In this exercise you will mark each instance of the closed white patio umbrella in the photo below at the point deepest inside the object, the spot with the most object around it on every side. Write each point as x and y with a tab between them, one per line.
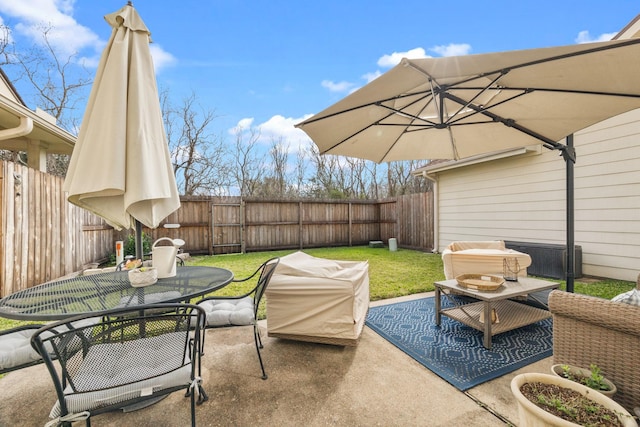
458	107
120	168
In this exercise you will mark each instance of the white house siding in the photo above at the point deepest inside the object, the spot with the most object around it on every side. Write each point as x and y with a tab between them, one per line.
523	198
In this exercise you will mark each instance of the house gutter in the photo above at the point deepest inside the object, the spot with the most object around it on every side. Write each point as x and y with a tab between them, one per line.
40	123
24	128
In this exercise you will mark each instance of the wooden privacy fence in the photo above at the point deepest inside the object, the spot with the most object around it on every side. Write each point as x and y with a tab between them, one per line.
233	225
43	237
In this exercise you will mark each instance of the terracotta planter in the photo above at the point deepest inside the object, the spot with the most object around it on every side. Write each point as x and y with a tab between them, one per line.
557	370
532	416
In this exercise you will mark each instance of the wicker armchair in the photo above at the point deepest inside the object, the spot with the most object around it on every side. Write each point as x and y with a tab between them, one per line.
590	330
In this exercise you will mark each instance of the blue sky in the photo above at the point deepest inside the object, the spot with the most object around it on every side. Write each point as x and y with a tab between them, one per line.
270	64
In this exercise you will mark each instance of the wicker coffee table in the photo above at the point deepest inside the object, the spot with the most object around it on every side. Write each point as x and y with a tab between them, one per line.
510	314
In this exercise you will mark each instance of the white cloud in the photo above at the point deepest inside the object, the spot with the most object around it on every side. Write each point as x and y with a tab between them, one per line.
242	125
161	58
452	49
585	37
388	61
385	61
277	128
393	59
337	86
369	77
65	34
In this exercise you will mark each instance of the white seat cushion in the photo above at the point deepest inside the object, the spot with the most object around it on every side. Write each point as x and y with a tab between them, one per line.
632	297
16	350
126	367
229	312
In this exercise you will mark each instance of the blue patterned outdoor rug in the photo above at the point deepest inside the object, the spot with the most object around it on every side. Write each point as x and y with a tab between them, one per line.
454	351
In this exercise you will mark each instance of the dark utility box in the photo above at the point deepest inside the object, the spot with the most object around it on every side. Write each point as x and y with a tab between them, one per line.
548	260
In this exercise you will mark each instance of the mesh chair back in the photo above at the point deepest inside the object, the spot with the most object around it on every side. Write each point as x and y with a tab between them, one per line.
267	269
224	311
129	356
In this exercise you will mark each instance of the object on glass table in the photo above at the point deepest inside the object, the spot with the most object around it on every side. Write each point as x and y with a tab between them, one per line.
131	264
144	276
510	269
480	282
164	257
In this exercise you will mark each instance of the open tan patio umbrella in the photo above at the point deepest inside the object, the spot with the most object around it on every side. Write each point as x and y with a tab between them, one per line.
120	168
457	107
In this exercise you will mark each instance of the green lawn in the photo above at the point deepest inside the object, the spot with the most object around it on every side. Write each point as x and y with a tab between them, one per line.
391	274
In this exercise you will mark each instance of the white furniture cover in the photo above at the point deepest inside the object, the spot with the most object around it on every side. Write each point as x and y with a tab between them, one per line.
482	257
318	300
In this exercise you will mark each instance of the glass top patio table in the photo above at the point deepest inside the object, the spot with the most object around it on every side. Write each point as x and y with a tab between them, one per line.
94	293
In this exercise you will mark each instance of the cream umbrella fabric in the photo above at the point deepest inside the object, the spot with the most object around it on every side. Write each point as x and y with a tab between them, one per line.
120	168
457	107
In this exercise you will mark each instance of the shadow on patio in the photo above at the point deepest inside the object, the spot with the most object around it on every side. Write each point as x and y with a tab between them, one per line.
309	384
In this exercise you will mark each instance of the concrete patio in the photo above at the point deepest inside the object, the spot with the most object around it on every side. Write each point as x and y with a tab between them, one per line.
372	384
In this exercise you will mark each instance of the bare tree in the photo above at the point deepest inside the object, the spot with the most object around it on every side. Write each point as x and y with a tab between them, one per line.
59	84
300	168
279	154
374	190
328	180
198	156
6	46
401	181
248	165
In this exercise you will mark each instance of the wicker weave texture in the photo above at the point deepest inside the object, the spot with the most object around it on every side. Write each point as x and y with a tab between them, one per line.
590	330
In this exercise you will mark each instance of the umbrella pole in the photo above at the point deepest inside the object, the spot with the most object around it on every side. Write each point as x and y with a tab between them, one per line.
139	251
569	156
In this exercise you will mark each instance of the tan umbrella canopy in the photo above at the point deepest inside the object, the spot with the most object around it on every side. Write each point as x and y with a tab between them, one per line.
457	107
120	168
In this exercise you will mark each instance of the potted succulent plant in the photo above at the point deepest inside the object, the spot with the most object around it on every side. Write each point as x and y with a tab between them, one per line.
591	377
549	400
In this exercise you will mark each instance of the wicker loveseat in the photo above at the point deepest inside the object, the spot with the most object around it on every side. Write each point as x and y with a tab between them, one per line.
590	330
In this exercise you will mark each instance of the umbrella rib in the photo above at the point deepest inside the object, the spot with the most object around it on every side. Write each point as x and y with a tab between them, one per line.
479	109
547	89
481	91
574	91
570	55
393	111
549	143
378	102
505	70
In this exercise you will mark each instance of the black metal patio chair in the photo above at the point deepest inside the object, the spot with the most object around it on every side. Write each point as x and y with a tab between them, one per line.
241	310
129	358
